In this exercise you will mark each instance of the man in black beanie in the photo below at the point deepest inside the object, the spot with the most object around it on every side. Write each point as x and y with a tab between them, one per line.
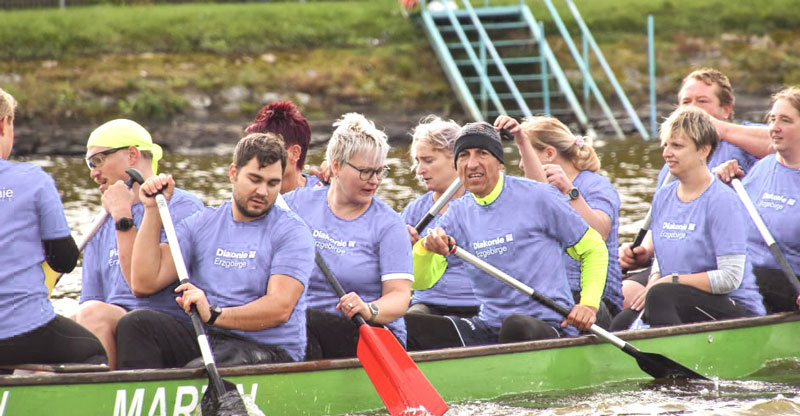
517	224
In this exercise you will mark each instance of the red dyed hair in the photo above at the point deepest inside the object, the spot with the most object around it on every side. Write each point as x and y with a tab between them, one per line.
284	118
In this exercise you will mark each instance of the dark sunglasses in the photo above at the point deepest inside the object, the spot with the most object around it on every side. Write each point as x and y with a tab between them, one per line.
96	160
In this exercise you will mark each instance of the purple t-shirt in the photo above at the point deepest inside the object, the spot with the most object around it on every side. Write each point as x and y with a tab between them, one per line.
600	194
723	153
233	262
30	212
524	232
361	252
689	236
774	190
312	181
102	277
454	288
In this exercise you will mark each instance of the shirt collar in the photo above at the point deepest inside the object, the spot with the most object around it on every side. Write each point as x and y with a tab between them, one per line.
488	199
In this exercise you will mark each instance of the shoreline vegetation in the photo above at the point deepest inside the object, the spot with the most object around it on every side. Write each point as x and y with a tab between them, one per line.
165	64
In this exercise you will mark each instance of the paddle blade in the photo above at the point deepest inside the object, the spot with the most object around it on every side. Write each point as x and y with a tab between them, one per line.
660	366
50	277
399	382
230	404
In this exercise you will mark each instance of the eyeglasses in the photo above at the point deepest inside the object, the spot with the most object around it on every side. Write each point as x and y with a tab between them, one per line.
366	174
96	160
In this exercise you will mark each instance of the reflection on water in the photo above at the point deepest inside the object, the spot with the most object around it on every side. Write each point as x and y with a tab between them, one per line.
632	166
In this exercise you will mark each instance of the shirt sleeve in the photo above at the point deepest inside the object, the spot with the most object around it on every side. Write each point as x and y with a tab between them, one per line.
52	220
394	251
293	254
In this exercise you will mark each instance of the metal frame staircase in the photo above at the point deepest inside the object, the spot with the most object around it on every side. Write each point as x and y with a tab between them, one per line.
498	61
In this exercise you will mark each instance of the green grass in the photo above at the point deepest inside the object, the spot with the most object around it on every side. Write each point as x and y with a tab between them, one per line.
142	61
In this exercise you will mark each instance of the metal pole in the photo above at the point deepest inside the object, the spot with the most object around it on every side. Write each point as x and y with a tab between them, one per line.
585	48
651	61
545	74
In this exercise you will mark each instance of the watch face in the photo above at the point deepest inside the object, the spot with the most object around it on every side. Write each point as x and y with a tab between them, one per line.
124	224
573	193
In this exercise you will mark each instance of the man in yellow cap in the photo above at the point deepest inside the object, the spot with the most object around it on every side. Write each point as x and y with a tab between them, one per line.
106	293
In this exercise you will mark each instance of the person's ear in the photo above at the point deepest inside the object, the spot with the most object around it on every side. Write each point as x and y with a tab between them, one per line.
232	173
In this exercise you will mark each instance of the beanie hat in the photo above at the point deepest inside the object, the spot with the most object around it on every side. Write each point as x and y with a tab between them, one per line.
122	133
480	135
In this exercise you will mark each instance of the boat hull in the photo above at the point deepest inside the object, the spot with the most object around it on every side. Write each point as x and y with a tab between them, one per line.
727	350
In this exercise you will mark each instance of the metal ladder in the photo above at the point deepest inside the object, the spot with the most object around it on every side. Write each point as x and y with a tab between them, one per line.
498	61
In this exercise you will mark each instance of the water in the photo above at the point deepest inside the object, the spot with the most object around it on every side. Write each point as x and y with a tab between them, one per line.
631	165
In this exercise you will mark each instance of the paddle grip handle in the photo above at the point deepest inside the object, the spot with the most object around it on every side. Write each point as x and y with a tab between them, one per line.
424	222
337	287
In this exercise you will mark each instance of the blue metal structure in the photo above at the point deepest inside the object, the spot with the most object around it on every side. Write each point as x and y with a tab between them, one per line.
499	62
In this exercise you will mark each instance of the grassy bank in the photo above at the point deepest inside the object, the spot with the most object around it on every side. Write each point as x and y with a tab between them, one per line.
200	60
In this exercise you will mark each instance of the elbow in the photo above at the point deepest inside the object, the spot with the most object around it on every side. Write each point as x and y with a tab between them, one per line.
139	287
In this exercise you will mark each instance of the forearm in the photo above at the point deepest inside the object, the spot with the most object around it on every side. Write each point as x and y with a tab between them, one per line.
752	139
125	241
259	314
596	218
394	303
146	255
591	251
533	166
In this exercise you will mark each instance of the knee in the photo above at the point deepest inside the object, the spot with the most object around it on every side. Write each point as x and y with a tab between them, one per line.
660	297
99	316
630	290
516	328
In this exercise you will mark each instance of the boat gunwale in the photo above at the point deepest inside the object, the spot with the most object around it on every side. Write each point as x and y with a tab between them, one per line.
419	356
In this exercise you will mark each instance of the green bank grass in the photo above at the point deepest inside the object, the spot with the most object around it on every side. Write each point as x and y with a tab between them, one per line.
147	61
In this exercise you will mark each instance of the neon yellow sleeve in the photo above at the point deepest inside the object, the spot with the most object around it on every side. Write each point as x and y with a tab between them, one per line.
428	267
591	251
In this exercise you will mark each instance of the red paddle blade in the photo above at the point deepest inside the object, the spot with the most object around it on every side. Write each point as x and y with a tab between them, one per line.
400	383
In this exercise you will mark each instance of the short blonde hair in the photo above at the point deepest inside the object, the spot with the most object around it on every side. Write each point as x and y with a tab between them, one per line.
543	131
693	123
7	105
355	134
436	132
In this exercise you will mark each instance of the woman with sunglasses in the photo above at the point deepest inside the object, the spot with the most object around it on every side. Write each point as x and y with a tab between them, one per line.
34	229
363	241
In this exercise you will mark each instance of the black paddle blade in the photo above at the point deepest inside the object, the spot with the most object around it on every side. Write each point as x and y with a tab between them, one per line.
230	404
660	366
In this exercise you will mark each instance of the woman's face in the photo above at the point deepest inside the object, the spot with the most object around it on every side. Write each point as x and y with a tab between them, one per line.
434	167
682	155
784	127
349	176
7	139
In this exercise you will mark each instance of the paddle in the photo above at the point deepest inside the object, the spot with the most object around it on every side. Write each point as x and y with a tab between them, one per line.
653	364
765	234
397	379
441	202
51	277
218	394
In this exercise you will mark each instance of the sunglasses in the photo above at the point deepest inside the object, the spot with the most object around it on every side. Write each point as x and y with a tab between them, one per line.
96	160
366	174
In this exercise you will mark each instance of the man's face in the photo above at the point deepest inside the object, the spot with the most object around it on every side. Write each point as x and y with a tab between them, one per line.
479	170
255	189
701	95
108	165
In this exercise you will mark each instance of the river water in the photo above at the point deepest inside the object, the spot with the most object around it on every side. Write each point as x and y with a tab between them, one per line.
631	164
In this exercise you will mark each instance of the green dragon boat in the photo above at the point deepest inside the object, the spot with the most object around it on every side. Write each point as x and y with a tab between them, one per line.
732	349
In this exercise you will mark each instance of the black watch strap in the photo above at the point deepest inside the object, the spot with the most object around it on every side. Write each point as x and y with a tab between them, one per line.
215	311
124	224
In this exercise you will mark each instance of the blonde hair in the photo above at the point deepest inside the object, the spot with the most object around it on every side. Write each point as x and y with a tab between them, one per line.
436	132
355	134
711	76
543	131
7	105
790	94
694	124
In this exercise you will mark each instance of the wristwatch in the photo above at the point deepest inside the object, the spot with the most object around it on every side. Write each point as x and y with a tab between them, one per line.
124	224
573	194
215	311
674	278
373	308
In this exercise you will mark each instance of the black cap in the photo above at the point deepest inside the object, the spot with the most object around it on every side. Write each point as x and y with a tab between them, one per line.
480	135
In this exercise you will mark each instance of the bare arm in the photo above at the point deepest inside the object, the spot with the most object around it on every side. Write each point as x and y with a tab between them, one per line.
152	267
752	139
273	309
532	164
596	218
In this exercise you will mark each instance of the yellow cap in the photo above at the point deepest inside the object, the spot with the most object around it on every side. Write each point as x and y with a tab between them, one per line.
121	133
